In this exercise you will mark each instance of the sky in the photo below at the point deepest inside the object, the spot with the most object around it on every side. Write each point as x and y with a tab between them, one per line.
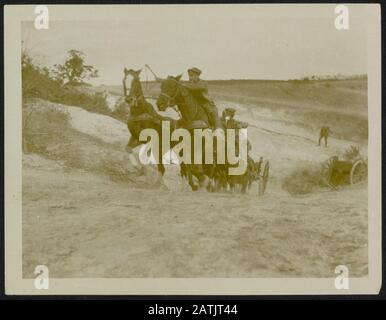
224	44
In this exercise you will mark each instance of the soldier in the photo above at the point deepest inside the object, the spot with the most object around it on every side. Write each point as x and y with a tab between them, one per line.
229	121
199	90
227	114
324	132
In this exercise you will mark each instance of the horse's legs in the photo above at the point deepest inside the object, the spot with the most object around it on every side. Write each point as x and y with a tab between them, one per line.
244	181
161	168
196	171
183	171
250	181
212	184
213	177
189	174
133	142
199	173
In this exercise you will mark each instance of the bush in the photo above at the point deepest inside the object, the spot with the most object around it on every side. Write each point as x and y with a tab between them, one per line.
42	128
37	82
303	181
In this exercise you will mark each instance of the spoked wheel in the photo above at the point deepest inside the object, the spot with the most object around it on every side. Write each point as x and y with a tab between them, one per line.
328	169
264	179
358	172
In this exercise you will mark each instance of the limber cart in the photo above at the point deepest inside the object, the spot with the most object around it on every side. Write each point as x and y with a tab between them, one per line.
343	172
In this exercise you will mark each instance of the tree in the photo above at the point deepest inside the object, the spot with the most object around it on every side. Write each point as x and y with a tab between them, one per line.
74	70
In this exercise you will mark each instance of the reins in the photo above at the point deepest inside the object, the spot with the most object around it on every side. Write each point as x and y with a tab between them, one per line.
173	98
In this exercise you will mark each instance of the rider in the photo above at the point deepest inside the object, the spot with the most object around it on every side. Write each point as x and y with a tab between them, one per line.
199	90
230	122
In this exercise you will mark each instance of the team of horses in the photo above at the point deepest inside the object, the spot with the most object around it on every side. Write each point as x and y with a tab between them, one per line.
173	94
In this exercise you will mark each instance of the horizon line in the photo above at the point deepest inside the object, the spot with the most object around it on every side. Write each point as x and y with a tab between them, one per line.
306	78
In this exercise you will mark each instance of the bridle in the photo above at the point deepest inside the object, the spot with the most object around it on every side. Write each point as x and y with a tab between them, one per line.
172	98
169	102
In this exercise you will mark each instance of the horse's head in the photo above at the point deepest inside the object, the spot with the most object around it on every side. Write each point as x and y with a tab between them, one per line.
135	87
169	92
134	73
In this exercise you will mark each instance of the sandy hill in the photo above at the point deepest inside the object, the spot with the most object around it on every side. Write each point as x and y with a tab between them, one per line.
87	212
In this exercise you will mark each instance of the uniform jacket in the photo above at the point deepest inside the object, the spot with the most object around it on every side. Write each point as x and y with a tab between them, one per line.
199	91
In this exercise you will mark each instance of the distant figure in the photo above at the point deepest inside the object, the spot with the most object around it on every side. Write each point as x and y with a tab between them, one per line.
324	132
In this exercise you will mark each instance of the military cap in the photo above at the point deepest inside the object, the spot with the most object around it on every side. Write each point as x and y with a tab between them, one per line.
230	111
194	70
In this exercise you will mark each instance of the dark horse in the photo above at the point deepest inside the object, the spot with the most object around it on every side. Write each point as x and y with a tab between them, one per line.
193	116
142	114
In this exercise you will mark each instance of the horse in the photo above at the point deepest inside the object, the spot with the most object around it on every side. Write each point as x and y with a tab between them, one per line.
193	116
142	114
244	182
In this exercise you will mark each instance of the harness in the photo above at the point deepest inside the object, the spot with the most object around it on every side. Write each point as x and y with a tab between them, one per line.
171	103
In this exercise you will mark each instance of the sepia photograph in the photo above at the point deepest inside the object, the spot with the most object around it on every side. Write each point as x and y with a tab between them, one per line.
208	148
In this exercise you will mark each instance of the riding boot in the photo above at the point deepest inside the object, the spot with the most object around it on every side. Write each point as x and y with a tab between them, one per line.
215	120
